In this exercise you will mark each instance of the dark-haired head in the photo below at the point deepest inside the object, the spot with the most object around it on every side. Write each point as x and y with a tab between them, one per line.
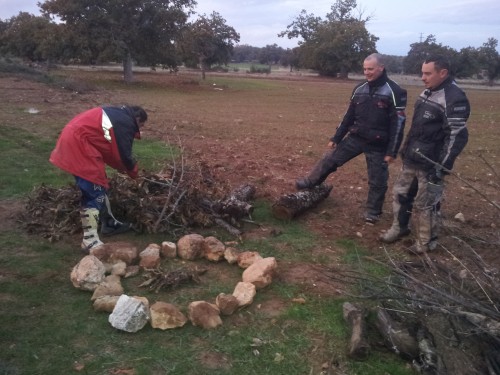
139	113
440	62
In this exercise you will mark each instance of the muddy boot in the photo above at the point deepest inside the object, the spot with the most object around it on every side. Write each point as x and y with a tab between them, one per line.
90	220
394	234
109	224
319	174
303	183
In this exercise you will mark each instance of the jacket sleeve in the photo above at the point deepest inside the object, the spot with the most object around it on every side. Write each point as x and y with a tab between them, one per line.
345	124
398	121
455	128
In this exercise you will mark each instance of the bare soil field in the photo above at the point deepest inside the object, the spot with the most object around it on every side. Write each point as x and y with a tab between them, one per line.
268	135
268	132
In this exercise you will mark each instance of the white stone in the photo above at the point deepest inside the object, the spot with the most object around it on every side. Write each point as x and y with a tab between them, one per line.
130	314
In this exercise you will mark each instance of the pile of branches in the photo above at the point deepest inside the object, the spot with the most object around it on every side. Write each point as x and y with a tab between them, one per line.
174	201
52	212
454	304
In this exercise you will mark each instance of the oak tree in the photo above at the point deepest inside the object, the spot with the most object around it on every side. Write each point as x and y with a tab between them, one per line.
140	30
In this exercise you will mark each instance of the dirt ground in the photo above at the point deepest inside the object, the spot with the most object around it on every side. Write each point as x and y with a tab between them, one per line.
265	141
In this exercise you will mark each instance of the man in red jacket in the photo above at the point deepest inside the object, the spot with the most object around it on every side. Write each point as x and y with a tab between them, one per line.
93	139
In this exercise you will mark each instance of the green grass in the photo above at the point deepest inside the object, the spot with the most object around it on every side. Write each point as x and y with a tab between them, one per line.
25	163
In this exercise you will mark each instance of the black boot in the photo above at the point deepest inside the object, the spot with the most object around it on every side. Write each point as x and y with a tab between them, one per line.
110	226
303	183
318	174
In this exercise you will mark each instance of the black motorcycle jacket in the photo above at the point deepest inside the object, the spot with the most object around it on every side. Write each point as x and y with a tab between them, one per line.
438	128
376	114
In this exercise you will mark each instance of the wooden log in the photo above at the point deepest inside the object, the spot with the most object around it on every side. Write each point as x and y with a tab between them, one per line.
354	316
291	205
244	193
397	337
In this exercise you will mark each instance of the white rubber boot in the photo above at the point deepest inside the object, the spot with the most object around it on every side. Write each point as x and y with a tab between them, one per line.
90	220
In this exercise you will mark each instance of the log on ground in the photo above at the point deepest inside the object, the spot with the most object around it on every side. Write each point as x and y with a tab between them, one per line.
291	205
354	316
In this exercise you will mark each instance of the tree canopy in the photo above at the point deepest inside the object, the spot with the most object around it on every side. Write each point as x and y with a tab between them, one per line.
208	41
336	45
156	32
123	29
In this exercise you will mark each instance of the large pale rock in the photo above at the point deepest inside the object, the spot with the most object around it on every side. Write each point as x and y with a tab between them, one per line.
169	249
227	303
112	252
204	314
111	286
166	316
244	293
119	268
260	273
190	246
150	256
88	273
231	255
105	303
130	314
213	249
247	258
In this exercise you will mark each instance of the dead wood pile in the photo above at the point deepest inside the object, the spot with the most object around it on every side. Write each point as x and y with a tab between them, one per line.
168	202
157	279
440	312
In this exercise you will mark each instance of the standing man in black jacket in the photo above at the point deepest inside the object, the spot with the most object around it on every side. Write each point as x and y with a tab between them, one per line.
437	135
373	125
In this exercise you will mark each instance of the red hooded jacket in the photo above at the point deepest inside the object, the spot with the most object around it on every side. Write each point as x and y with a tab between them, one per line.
95	138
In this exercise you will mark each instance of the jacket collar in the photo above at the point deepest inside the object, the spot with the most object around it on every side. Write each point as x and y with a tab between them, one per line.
446	82
379	81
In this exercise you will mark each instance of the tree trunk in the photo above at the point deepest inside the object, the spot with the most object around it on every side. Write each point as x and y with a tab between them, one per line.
128	74
202	67
291	205
354	316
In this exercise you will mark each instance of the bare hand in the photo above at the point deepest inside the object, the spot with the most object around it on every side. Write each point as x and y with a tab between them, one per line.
388	159
331	144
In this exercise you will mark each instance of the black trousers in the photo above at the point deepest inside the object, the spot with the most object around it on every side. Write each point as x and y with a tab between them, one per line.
378	171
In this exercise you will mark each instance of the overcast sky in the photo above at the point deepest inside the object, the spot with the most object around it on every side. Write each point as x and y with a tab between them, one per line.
398	23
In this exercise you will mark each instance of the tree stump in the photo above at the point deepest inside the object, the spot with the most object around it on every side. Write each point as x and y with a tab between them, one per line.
291	205
354	316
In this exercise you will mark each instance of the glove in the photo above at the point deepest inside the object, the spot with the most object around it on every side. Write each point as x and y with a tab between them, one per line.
133	173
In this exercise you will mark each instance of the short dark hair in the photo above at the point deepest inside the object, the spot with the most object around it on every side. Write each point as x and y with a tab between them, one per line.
440	62
139	113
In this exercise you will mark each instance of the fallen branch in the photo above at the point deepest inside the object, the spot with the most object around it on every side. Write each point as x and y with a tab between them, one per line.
358	345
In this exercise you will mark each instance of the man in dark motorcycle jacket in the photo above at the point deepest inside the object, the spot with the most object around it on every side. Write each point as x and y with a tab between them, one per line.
373	125
438	134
